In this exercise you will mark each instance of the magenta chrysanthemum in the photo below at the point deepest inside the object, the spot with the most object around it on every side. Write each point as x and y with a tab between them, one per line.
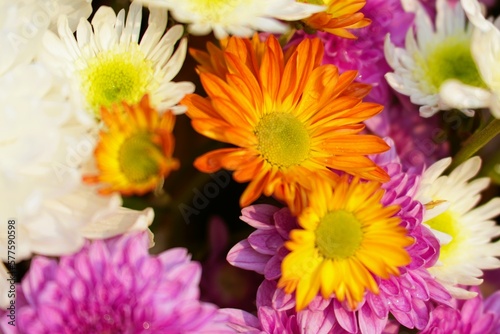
365	54
474	315
318	317
114	286
419	141
409	297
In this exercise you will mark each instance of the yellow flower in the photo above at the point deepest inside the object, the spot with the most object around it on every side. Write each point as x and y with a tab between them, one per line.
347	239
135	149
291	118
339	16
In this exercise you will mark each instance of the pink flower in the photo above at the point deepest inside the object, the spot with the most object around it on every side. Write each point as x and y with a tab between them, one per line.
114	286
419	141
318	318
473	316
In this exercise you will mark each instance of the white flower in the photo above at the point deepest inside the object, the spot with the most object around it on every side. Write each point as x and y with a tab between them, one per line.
5	287
436	55
45	145
23	23
485	48
464	231
108	65
236	17
46	149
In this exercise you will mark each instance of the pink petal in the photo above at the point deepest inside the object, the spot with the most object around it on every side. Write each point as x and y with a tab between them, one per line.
242	255
265	241
346	319
272	270
285	222
241	321
369	322
378	303
259	216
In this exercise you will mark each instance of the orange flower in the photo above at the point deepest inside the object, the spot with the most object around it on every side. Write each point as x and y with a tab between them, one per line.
291	119
134	153
339	16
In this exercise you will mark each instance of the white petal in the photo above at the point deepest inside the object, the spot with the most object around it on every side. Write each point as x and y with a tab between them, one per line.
461	96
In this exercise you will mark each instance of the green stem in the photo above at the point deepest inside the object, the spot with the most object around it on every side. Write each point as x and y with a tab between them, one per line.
286	37
476	142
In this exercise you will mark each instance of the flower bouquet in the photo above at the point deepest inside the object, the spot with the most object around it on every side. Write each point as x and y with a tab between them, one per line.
249	166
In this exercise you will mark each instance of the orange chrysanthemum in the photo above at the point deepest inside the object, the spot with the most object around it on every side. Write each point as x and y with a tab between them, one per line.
339	16
291	119
135	149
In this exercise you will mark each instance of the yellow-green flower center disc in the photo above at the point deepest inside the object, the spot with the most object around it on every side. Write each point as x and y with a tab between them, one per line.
339	235
451	59
140	158
283	140
114	76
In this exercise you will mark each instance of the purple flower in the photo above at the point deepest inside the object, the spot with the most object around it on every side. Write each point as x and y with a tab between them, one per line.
419	141
409	297
366	54
473	316
319	317
114	286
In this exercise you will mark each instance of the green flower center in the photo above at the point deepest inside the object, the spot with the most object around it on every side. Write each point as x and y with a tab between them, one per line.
283	140
339	235
151	156
450	60
446	223
114	76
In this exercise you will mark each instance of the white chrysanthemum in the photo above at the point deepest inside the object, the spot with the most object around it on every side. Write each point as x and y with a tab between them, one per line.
45	149
108	64
23	23
433	57
485	48
236	17
465	232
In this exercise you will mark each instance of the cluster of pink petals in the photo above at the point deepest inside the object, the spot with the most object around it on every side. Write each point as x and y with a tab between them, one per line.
114	286
419	141
474	316
410	297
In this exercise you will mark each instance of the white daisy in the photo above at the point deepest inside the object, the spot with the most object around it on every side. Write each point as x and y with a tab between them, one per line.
46	149
434	56
23	23
236	17
464	231
108	64
485	48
